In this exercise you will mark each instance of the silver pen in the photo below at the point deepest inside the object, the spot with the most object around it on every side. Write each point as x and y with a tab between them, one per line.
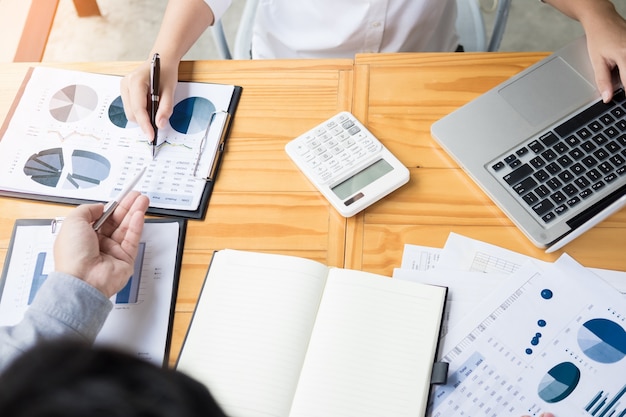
110	207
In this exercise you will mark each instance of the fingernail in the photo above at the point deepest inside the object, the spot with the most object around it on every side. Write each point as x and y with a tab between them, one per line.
606	96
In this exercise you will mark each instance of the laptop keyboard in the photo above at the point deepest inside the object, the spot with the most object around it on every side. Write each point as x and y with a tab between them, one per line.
568	164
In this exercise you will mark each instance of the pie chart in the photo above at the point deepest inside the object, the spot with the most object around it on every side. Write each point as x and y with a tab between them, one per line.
117	115
73	103
602	340
559	382
88	169
45	167
192	115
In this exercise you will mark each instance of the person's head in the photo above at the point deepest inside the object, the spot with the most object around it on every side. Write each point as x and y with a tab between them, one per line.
73	379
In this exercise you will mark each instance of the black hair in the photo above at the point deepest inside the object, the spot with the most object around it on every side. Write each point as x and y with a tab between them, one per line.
72	379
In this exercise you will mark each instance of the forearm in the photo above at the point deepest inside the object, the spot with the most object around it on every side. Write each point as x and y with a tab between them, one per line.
183	23
65	307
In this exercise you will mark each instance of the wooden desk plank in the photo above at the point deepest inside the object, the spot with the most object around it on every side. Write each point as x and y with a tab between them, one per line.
399	96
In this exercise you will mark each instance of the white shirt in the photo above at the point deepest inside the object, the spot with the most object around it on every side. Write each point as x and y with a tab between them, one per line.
342	28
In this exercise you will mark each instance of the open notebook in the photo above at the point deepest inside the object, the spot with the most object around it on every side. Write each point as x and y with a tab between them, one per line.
276	335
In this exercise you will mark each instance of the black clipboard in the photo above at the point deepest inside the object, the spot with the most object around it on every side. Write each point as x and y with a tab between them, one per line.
134	313
197	214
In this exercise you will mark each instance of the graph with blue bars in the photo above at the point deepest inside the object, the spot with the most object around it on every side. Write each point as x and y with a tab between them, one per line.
128	295
605	404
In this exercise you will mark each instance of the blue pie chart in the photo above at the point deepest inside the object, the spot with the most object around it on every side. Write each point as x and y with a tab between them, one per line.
559	382
192	115
117	115
602	340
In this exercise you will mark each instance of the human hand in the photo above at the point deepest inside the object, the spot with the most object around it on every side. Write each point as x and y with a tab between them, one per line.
103	259
135	89
606	43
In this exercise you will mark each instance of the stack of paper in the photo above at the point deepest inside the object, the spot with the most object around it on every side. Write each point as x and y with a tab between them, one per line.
525	336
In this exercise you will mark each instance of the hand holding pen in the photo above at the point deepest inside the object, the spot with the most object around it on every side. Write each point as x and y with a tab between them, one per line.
104	260
110	207
155	73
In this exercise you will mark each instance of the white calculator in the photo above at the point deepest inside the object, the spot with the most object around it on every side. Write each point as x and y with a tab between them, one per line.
350	166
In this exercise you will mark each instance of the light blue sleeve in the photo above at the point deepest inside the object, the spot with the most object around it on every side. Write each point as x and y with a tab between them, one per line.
64	307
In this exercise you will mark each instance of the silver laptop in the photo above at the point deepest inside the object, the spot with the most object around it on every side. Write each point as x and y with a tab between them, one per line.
544	147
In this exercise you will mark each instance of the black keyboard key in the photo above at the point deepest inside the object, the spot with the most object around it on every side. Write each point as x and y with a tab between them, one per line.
572	140
498	166
570	190
598	185
583	133
521	151
548	155
548	139
613	146
510	158
554	184
605	167
560	148
553	168
618	112
621	125
601	154
593	175
589	161
573	201
558	197
541	175
542	191
607	119
543	207
583	118
621	170
566	176
537	162
577	169
622	140
535	146
548	217
610	178
565	161
582	182
617	160
611	132
560	209
518	174
585	193
525	186
595	126
588	146
576	153
515	163
530	198
600	139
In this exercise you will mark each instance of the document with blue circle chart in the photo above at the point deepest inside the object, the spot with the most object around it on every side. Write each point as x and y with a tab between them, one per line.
68	138
551	338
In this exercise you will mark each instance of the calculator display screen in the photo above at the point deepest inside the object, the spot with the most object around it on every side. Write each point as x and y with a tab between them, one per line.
365	177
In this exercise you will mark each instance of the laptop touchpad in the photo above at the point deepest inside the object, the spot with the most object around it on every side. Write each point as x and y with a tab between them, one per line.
548	92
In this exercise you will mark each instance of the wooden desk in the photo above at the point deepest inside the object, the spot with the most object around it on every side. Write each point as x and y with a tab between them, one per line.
262	202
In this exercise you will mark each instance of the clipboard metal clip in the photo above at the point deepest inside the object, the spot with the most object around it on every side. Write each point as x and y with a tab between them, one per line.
55	225
219	149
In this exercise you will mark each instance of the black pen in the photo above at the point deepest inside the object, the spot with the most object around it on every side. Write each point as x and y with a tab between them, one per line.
155	69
